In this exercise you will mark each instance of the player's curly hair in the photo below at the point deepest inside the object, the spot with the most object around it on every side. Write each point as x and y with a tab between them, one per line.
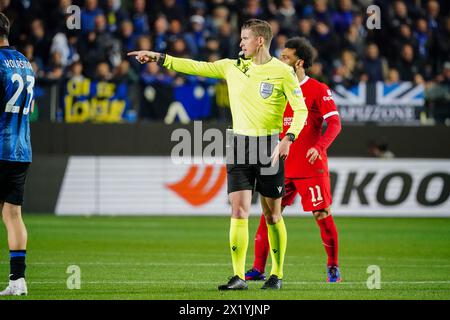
5	26
303	50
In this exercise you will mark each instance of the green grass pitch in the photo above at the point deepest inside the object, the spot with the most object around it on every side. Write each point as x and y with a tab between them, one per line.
171	258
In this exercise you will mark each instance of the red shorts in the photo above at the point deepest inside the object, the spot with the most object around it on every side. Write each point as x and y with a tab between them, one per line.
315	192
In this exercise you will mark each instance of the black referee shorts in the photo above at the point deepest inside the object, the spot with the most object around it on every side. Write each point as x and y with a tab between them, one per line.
12	181
249	166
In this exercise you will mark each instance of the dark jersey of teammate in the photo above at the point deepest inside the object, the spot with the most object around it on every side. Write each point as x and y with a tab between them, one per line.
17	87
319	100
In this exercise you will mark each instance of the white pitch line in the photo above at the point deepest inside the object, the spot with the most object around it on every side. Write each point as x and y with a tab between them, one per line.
214	283
211	264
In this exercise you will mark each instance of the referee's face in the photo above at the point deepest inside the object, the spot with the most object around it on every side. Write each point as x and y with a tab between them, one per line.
249	43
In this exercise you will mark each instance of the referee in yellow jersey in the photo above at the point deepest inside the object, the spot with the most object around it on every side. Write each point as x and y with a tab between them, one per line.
259	87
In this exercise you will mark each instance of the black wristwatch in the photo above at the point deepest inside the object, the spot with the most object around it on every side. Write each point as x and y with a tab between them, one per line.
290	136
161	59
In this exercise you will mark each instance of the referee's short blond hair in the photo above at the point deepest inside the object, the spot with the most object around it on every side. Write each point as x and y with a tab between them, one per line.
260	28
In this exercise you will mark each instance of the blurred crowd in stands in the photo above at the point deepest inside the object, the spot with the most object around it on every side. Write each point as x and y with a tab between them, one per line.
413	43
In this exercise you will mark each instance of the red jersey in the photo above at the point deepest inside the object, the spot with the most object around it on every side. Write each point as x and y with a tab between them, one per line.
320	103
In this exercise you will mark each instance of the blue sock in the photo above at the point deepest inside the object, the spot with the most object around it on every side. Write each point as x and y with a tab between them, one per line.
17	264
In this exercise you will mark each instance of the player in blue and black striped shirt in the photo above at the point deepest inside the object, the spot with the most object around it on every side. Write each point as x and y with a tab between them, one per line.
16	102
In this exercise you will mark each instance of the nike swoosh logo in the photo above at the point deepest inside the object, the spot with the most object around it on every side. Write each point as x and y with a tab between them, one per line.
316	204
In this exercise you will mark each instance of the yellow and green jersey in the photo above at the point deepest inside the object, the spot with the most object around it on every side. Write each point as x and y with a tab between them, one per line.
258	93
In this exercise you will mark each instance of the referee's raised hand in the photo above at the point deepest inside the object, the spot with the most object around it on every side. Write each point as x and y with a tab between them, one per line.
144	56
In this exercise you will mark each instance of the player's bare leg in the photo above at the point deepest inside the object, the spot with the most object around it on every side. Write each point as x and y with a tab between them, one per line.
17	232
240	211
277	240
329	236
17	242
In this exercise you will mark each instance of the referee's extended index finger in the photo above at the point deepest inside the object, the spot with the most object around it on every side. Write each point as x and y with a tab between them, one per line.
133	53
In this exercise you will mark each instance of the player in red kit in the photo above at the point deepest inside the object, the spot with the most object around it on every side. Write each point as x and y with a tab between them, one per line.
306	168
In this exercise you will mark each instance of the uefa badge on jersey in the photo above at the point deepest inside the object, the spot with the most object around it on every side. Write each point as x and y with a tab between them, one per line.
266	89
